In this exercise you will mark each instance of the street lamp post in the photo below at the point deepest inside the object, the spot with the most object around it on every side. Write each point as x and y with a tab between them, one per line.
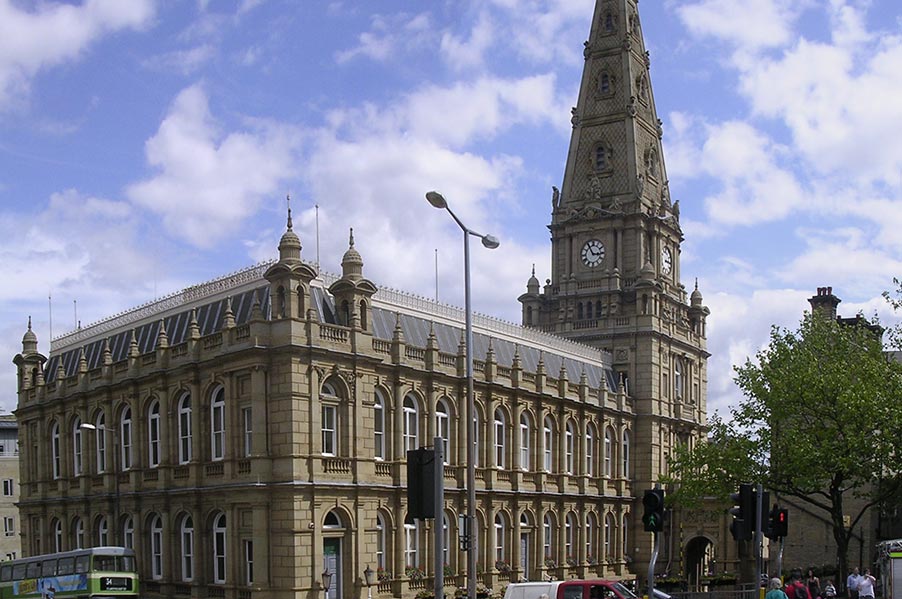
103	430
369	577
437	200
326	577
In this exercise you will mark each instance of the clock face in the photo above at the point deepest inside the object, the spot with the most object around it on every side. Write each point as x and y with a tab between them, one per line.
666	261
592	253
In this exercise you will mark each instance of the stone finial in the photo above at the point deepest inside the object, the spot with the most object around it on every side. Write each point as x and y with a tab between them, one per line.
162	337
256	308
398	334
60	371
193	327
107	353
133	350
29	341
82	361
432	340
516	362
228	320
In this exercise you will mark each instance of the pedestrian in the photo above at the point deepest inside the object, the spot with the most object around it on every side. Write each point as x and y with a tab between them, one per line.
866	585
829	590
814	584
852	583
775	590
795	588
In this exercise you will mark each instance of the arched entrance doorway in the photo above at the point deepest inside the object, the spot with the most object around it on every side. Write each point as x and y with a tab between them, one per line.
334	530
699	560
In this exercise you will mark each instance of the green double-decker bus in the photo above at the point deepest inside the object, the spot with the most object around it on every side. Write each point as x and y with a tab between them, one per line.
98	573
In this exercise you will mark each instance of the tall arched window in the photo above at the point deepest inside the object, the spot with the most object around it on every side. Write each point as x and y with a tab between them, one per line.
185	435
330	422
77	469
608	452
57	527
186	536
78	533
411	425
219	549
443	428
624	539
103	532
153	435
380	542
156	547
570	538
125	438
363	316
569	447
498	438
604	83
547	443
590	449
500	535
525	434
217	424
128	532
547	537
411	545
678	378
100	439
55	448
591	538
625	454
379	425
608	535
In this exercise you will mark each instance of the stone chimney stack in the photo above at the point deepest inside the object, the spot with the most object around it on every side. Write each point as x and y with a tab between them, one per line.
824	303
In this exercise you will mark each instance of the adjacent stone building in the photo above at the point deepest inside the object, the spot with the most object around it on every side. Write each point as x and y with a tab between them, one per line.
246	434
10	547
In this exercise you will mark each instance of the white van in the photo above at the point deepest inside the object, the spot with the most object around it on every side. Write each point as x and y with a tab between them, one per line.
569	589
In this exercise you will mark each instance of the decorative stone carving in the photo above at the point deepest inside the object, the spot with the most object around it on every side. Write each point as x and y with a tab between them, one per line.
574	118
555	197
587	50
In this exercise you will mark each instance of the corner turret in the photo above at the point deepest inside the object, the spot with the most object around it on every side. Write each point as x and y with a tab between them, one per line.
352	292
290	277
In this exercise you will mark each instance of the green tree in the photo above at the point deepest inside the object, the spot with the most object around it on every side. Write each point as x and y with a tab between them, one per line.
821	421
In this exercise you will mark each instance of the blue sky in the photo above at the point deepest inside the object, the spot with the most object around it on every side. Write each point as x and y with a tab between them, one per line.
146	146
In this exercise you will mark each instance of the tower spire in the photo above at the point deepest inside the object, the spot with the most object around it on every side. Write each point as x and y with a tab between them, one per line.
288	202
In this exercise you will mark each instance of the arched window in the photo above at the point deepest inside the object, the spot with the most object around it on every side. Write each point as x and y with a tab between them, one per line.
589	310
302	310
219	549
529	315
381	542
547	537
569	447
590	449
57	527
608	22
363	315
411	545
601	158
156	547
125	437
591	538
379	425
411	425
477	435
186	536
608	535
345	314
100	425
185	435
217	425
330	422
153	435
443	428
547	441
498	438
280	304
625	454
570	538
525	434
128	532
500	535
579	311
608	452
76	447
604	83
55	448
624	538
103	532
78	533
678	378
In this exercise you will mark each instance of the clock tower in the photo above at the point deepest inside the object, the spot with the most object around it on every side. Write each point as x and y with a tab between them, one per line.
615	260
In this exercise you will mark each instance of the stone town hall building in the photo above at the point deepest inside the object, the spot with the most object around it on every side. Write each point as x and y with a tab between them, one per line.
244	434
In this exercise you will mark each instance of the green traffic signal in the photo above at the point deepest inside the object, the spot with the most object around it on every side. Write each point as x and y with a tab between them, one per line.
653	518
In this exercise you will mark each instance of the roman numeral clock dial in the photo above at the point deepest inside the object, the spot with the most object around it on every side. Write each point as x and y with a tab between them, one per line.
592	253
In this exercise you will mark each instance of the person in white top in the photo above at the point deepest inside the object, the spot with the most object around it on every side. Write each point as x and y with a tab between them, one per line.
866	585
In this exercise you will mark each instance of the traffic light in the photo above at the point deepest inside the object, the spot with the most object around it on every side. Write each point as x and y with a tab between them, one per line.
779	524
653	502
743	513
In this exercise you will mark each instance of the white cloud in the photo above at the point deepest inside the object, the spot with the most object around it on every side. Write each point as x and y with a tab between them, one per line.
54	33
209	182
748	25
389	35
462	54
185	62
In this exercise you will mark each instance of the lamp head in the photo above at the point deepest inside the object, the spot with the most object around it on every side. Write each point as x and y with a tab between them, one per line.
436	199
490	241
88	426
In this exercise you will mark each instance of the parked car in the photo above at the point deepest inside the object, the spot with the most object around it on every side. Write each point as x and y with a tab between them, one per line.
569	589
